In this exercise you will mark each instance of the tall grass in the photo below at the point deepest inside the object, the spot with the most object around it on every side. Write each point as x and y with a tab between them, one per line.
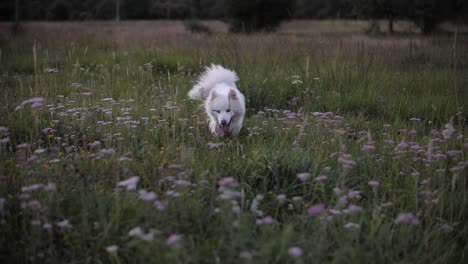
353	150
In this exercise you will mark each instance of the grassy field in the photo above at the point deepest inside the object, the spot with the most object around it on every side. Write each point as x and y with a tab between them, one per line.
354	149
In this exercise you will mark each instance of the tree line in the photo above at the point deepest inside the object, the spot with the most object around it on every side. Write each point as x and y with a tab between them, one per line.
242	15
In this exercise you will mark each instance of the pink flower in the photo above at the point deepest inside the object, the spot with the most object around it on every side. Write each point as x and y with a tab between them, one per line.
295	252
316	209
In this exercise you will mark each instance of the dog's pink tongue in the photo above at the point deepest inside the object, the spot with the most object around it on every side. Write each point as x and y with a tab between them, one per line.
220	130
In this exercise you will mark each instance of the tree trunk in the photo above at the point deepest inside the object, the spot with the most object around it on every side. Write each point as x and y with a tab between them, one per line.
390	24
16	25
117	10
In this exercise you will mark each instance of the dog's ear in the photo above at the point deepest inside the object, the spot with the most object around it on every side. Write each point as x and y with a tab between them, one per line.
213	94
232	95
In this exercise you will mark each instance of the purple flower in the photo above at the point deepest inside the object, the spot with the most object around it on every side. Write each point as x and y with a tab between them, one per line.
35	102
174	240
295	252
316	209
367	148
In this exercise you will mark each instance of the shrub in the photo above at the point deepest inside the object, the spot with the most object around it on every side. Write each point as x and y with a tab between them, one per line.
259	15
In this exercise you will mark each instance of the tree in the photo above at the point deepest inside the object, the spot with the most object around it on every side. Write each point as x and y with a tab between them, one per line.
257	15
375	9
427	14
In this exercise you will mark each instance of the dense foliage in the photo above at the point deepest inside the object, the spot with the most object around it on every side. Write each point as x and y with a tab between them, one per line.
243	15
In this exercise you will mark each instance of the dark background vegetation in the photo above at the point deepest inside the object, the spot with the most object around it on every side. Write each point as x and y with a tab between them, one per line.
242	15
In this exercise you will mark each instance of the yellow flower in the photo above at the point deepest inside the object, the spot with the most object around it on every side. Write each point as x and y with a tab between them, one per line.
254	152
154	117
50	136
60	154
52	124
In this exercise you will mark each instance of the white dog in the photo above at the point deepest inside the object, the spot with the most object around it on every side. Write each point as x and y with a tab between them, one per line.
224	103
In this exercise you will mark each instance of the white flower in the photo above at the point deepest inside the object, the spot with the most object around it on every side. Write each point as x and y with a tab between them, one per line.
64	224
130	183
304	176
112	249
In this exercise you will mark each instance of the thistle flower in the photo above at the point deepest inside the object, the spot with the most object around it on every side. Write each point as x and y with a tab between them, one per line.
316	209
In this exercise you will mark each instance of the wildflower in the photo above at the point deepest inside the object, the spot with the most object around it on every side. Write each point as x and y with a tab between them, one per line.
321	178
130	183
402	145
174	240
373	183
136	231
295	252
31	188
351	225
267	220
112	249
448	131
407	218
316	209
246	255
227	181
352	208
34	102
160	205
367	147
281	198
64	224
146	196
304	176
346	161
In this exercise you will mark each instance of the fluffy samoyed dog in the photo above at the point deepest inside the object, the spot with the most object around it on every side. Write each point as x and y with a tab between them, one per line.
224	103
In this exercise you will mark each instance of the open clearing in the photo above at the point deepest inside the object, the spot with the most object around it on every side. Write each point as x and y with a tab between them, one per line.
354	148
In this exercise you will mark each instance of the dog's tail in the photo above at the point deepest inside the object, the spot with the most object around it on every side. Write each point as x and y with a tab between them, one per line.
212	75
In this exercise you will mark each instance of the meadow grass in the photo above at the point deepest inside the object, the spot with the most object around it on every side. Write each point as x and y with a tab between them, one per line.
353	149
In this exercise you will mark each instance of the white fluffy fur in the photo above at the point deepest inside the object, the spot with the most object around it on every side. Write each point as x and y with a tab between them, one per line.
224	103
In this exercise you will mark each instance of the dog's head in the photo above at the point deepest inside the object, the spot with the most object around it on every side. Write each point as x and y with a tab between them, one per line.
223	108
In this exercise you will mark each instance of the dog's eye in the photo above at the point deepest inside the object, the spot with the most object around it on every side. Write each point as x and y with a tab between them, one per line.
228	110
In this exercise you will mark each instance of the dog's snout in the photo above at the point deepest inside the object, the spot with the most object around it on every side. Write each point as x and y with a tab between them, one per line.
223	122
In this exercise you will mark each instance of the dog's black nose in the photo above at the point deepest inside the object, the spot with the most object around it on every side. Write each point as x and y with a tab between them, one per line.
223	122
